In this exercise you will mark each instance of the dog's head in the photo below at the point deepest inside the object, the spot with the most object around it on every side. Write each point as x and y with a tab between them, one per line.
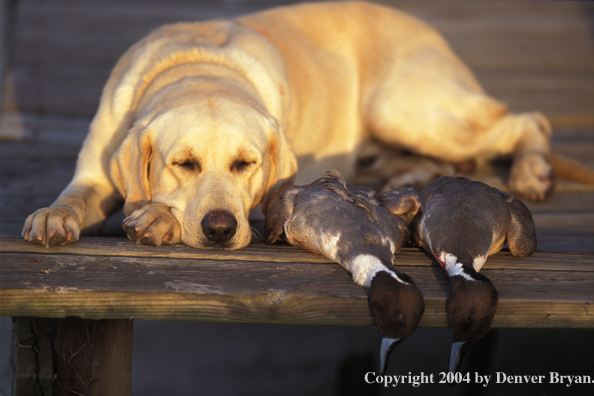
210	160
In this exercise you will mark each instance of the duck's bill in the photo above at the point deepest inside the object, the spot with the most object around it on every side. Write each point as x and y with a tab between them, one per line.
457	353
386	346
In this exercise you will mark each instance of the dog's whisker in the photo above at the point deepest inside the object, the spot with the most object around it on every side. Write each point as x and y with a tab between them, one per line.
256	237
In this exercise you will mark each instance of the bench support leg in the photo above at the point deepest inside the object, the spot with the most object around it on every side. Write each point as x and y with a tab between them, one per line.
73	356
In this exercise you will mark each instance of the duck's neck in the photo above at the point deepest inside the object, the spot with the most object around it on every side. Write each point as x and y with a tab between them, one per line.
455	267
364	267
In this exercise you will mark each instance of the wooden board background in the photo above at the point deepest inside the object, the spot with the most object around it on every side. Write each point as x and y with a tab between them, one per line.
533	55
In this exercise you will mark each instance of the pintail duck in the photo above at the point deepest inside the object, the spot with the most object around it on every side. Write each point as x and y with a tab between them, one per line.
461	222
361	232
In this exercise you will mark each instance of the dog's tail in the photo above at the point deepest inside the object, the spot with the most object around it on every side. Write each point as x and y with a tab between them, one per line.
567	168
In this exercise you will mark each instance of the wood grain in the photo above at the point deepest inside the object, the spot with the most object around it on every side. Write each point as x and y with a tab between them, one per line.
532	55
34	370
92	357
282	253
178	283
73	356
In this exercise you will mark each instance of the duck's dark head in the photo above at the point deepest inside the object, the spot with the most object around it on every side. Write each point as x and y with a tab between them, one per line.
397	306
470	307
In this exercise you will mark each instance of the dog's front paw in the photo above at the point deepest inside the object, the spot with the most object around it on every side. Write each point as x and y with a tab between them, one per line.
52	226
152	225
531	177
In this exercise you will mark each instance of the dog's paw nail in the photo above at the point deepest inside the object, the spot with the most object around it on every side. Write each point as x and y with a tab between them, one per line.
147	234
39	237
166	238
51	234
137	228
69	236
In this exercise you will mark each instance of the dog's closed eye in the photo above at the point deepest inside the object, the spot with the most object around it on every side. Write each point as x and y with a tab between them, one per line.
187	165
241	165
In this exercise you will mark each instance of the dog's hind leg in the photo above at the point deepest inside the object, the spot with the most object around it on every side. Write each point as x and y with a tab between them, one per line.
527	137
430	104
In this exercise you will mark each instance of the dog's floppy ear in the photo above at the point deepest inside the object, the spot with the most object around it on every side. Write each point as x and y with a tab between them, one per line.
130	168
283	163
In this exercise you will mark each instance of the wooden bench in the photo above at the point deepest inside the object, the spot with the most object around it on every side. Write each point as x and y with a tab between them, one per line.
111	278
108	282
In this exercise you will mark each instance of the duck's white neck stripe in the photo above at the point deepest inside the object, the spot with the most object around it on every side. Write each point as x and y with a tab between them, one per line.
479	261
365	266
453	267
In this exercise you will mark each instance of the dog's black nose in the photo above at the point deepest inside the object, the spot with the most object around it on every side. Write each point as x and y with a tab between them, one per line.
219	226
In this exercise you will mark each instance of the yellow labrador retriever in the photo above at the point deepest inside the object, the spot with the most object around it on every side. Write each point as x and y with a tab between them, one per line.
199	122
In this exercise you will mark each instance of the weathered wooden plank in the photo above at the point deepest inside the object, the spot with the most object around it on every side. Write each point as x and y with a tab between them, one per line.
567	202
535	56
281	253
64	273
276	308
60	285
567	240
580	150
564	220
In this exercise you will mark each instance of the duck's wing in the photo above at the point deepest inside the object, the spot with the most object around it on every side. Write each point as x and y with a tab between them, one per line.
521	234
403	202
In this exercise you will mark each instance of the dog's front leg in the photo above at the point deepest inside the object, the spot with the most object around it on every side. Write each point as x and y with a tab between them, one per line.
153	225
80	208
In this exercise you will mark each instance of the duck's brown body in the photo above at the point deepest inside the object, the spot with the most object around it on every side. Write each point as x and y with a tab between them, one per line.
461	222
471	220
360	232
